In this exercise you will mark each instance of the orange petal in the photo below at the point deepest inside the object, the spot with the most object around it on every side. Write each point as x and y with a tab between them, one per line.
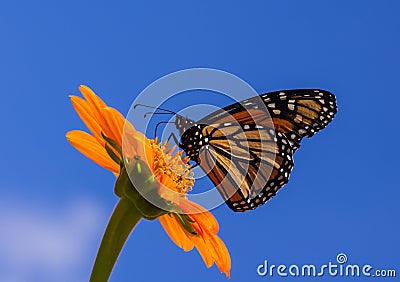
128	141
210	246
90	147
200	215
111	121
204	249
85	113
149	152
175	232
222	257
94	102
96	105
137	144
114	124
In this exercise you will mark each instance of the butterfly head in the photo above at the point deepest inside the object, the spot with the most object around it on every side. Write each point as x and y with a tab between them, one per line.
183	123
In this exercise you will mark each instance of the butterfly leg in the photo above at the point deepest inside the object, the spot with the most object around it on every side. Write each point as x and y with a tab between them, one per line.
193	166
161	122
172	135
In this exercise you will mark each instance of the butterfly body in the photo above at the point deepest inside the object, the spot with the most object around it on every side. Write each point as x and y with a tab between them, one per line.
247	148
193	140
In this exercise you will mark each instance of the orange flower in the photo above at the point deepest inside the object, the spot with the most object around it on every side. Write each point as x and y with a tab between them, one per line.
193	226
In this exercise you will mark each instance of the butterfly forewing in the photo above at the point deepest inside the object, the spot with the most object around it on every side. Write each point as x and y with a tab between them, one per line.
300	113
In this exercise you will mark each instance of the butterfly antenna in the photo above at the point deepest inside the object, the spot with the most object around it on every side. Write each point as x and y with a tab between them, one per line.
155	113
151	107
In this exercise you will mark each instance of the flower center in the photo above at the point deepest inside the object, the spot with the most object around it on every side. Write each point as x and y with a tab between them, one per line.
173	166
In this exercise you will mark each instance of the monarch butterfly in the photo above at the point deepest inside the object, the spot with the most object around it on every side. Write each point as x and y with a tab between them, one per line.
217	142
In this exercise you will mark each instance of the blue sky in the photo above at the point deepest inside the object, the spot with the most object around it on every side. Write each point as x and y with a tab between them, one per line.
343	193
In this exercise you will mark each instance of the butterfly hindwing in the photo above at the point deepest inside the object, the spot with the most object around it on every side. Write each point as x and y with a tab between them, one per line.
246	169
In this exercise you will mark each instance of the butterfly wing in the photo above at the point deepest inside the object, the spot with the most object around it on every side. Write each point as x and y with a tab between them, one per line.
300	113
246	169
296	113
251	153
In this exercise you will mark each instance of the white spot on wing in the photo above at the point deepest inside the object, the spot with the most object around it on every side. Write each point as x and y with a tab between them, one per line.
302	131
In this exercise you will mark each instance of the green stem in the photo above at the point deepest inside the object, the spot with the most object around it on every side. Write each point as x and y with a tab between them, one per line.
123	219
